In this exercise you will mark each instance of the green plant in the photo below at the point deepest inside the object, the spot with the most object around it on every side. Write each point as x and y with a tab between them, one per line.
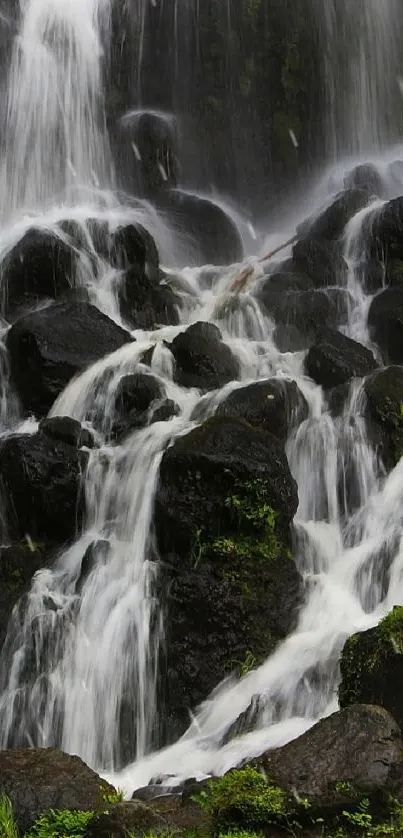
61	824
8	826
246	800
113	797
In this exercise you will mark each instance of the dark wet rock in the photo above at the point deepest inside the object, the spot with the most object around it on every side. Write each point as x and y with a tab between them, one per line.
68	430
41	485
98	552
275	405
321	260
134	398
229	586
372	667
393	271
331	222
37	780
155	792
385	229
371	275
19	562
202	359
212	237
365	177
291	300
335	359
167	410
202	470
49	347
289	339
129	818
337	399
146	300
146	152
39	267
357	750
385	321
384	392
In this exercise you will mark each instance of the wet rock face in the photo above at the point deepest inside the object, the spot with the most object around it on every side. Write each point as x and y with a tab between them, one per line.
140	400
372	666
274	405
384	392
40	266
331	222
321	260
145	149
385	321
48	347
365	177
356	749
202	359
18	563
200	473
37	780
212	237
41	487
335	359
224	505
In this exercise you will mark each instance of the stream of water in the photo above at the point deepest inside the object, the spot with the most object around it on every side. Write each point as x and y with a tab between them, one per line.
83	643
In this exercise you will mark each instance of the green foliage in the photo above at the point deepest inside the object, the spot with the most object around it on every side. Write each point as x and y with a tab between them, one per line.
246	800
61	824
8	826
113	797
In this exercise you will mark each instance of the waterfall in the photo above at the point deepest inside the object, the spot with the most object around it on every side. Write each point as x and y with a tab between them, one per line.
82	657
55	132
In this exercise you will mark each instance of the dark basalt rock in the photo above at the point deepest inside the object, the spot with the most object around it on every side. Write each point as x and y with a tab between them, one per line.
18	563
335	359
357	750
305	310
385	229
331	222
202	469
37	780
202	359
211	236
41	480
139	401
153	166
321	260
40	266
384	391
275	405
365	177
385	320
68	430
49	347
372	666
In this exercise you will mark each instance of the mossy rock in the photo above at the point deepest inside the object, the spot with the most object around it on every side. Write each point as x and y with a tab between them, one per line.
372	666
384	391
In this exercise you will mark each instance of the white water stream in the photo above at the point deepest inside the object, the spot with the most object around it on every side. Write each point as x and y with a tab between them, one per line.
87	646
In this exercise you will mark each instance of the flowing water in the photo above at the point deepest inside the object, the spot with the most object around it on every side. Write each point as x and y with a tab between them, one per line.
81	657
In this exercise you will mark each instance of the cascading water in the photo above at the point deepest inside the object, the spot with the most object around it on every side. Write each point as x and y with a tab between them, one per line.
81	657
55	131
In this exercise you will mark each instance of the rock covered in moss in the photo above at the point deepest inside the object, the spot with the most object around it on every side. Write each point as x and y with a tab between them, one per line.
372	666
222	479
129	818
275	405
384	392
334	359
37	780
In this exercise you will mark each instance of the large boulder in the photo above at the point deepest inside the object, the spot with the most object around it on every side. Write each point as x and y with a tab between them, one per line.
167	816
372	666
334	359
41	486
385	228
145	150
202	359
331	222
291	300
275	405
19	562
365	177
49	347
139	400
230	589
40	266
384	392
385	321
211	476
321	260
211	235
37	780
356	751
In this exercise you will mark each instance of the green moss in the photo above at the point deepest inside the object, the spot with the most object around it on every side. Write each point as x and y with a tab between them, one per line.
246	800
364	652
